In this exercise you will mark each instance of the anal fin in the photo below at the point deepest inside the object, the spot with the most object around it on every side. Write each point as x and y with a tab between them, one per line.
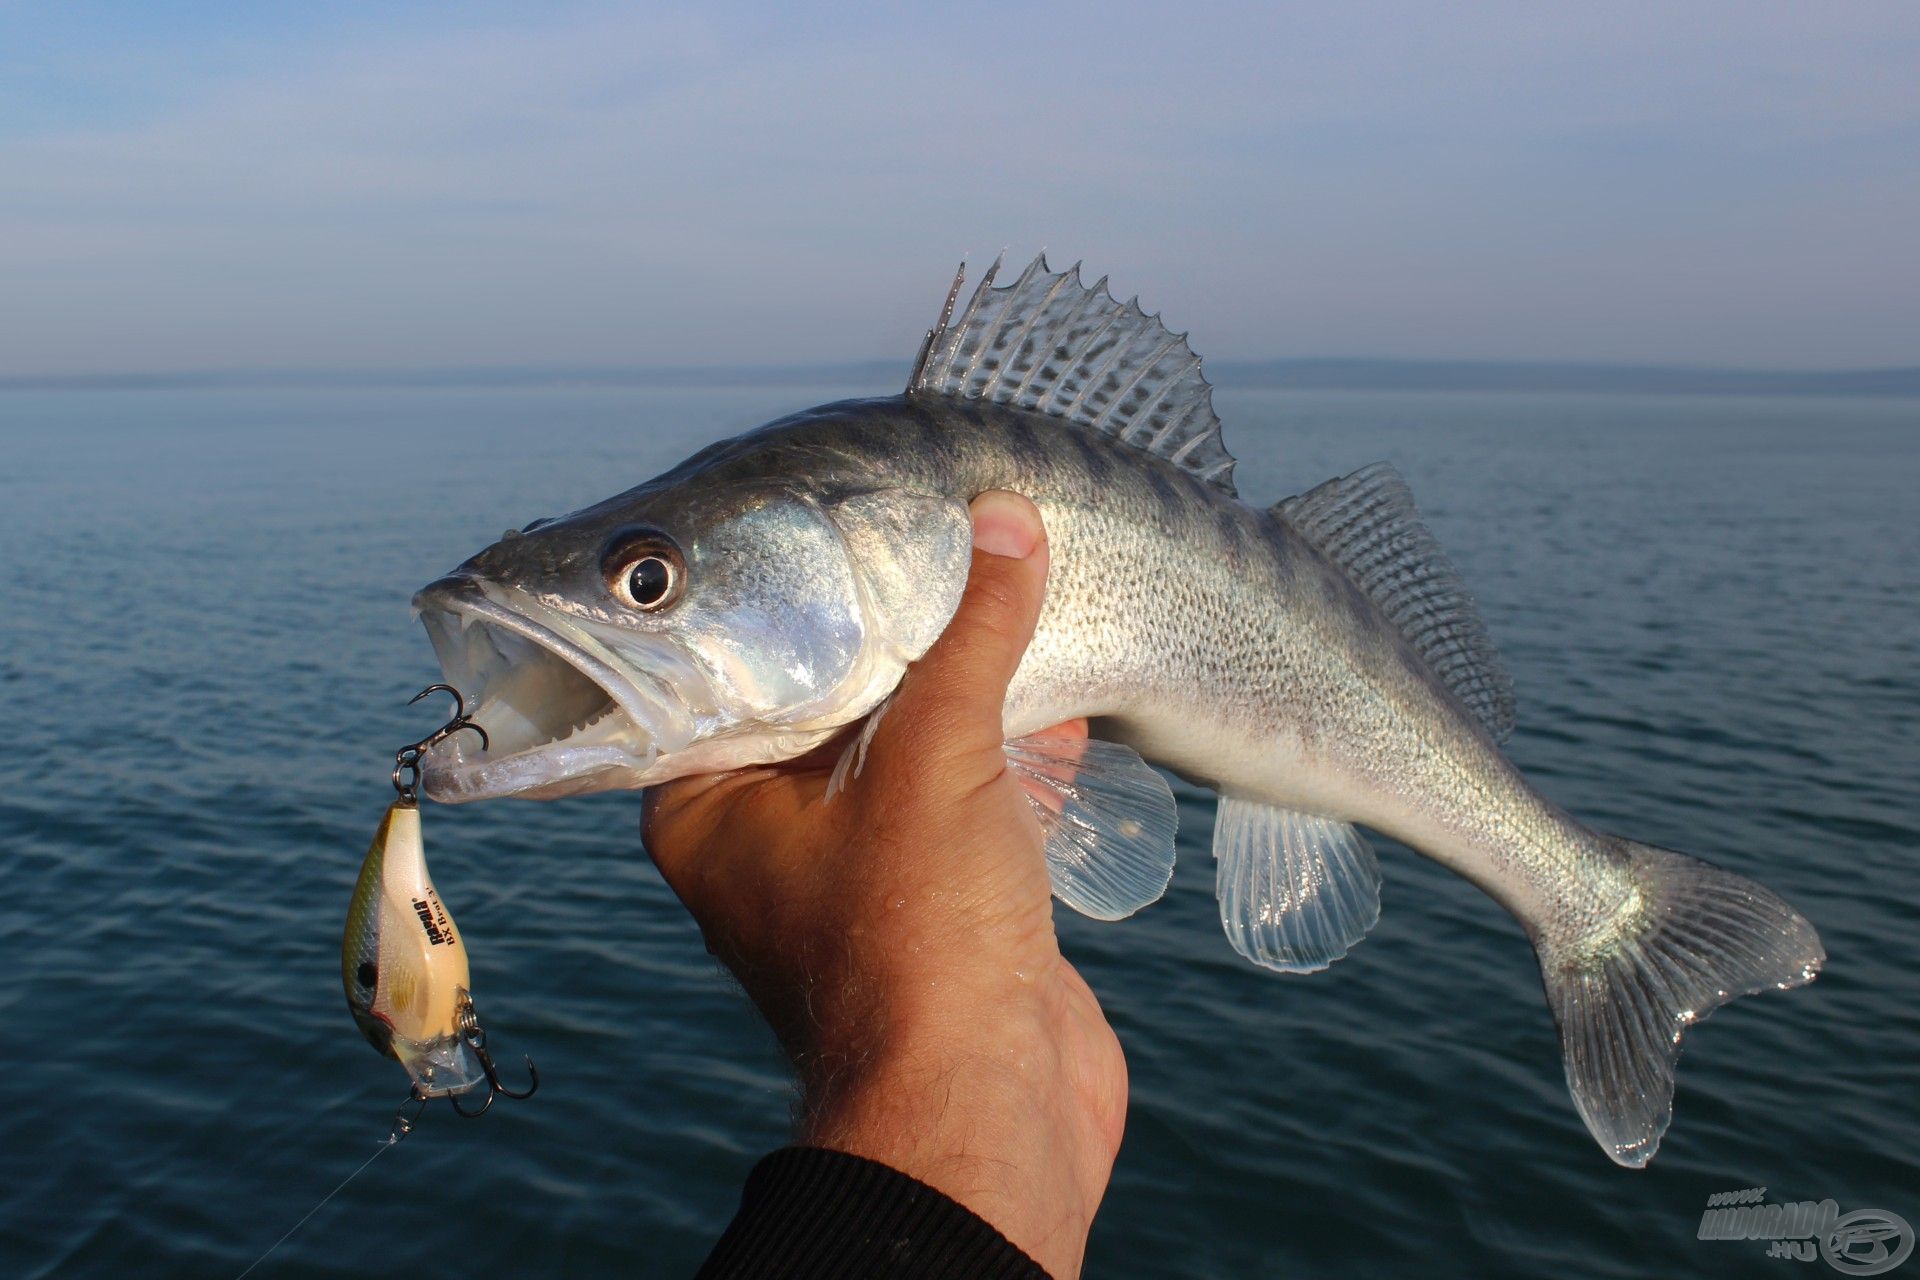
1296	891
1109	820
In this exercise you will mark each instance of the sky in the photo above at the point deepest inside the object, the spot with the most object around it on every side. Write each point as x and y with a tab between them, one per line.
200	186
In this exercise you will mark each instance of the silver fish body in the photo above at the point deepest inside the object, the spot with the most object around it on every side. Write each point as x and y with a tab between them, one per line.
1317	664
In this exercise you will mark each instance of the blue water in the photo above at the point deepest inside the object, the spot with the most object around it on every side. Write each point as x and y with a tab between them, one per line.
1709	606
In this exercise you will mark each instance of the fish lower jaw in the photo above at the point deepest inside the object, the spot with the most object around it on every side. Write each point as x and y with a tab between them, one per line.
557	721
511	731
542	773
606	752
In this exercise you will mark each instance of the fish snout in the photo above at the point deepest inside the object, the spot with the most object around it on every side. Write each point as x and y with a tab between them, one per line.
567	706
448	592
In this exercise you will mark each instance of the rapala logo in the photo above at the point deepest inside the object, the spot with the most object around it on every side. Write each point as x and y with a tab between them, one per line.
433	918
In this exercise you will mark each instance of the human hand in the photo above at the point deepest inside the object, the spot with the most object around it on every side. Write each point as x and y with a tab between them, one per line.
899	938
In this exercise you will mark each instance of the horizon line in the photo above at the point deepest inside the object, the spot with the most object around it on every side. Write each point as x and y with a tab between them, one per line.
1328	373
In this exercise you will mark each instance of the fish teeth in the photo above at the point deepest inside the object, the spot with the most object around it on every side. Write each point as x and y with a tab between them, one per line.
593	721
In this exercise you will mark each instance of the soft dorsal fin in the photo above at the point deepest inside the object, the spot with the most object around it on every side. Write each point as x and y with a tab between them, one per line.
1367	524
1053	345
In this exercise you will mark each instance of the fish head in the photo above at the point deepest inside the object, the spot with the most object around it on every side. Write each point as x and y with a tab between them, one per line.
684	628
404	965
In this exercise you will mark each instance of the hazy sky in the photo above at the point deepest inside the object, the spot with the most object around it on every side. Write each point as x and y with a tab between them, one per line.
197	185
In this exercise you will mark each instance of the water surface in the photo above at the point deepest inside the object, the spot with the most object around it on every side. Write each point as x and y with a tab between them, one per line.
1709	606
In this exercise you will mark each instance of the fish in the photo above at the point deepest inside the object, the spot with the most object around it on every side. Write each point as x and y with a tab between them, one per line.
404	964
1318	664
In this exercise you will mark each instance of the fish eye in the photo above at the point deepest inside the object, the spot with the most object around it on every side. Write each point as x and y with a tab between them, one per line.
644	569
366	974
649	581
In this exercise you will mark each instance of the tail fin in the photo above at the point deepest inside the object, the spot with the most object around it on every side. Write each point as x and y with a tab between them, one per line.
1700	937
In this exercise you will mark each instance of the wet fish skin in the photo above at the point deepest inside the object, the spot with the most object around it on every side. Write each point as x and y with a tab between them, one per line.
1197	629
1235	646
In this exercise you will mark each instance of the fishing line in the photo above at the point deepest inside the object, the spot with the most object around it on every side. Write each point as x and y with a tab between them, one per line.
402	1126
446	1047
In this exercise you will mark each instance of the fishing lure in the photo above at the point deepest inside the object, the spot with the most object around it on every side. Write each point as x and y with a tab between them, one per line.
403	961
405	968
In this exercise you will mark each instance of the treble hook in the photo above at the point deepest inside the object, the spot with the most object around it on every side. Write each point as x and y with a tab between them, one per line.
407	759
477	1041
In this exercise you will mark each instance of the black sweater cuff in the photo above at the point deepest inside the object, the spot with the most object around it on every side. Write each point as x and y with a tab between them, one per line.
809	1212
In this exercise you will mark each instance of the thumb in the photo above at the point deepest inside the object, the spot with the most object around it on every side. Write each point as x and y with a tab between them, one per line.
959	686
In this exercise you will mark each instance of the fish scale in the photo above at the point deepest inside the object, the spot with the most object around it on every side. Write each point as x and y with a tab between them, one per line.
1318	665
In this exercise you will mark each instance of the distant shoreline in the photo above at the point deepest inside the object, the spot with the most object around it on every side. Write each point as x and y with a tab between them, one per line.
1345	374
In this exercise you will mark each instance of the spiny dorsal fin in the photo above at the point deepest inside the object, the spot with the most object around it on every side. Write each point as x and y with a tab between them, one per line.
1367	524
1051	344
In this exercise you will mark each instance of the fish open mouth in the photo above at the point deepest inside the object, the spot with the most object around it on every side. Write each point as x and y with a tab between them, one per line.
562	716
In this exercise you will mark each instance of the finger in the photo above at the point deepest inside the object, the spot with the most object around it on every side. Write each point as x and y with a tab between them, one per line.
960	684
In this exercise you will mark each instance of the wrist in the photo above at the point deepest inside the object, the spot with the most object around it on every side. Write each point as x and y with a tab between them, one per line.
976	1095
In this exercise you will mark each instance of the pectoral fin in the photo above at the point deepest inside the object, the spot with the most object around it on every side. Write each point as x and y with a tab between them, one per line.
853	757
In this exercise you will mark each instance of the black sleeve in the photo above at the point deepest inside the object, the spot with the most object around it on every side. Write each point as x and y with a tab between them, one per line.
809	1212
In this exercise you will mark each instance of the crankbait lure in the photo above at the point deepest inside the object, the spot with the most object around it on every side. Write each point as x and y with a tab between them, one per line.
405	968
403	961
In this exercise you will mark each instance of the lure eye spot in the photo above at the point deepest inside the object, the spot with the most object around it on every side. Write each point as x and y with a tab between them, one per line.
366	974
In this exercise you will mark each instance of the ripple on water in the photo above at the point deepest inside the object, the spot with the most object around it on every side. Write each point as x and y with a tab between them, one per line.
1707	605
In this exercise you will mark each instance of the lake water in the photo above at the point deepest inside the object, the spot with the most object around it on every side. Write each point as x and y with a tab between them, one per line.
1711	608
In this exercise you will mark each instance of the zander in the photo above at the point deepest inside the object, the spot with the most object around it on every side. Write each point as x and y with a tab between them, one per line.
1317	664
